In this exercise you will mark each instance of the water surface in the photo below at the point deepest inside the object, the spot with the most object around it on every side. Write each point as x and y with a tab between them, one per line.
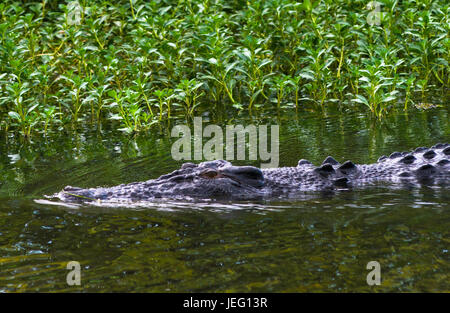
316	244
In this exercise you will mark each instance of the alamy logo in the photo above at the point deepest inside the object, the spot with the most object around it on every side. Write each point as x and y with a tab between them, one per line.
374	16
74	13
374	276
213	149
74	276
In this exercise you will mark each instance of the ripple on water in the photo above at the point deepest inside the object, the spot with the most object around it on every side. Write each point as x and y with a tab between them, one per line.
315	244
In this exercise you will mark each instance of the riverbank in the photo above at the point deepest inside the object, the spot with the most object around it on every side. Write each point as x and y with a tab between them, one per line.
134	64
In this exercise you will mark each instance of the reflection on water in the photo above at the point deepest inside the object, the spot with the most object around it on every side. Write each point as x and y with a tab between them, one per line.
320	243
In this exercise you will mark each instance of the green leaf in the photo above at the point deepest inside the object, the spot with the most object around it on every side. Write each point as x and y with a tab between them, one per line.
307	5
209	77
364	79
14	115
389	98
212	61
264	63
361	99
115	117
307	75
32	108
230	67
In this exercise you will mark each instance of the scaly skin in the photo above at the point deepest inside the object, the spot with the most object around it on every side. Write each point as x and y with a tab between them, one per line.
221	180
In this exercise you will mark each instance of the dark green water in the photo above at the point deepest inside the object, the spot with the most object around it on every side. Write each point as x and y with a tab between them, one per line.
321	243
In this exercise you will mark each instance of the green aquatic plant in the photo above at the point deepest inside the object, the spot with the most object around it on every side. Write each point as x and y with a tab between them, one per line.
281	84
48	115
188	91
127	110
24	113
376	86
255	64
317	71
211	54
409	84
166	95
76	89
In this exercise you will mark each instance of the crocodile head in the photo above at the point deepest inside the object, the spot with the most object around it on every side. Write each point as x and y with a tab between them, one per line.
212	179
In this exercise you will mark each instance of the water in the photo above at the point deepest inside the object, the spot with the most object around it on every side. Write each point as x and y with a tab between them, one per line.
316	244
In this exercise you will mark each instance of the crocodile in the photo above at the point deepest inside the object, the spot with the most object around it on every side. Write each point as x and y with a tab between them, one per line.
219	179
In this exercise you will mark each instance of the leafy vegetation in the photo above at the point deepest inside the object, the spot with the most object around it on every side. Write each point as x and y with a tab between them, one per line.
142	62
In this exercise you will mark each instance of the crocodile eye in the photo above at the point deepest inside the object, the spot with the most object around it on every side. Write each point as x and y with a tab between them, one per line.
209	173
